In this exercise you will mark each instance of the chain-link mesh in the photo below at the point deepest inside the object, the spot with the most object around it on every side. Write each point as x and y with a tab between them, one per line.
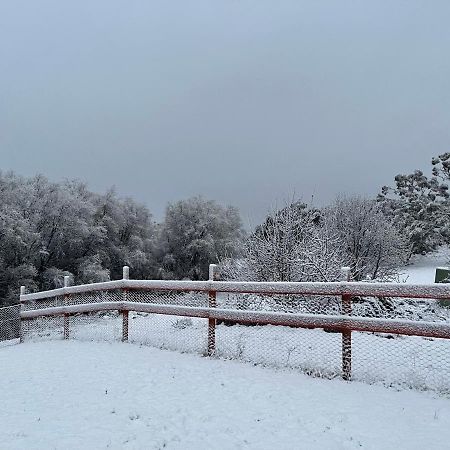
311	351
171	332
168	297
401	361
43	303
42	328
99	326
9	323
390	359
381	308
183	334
394	360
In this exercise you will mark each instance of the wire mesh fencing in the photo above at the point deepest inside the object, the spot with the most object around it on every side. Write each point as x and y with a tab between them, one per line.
257	328
9	322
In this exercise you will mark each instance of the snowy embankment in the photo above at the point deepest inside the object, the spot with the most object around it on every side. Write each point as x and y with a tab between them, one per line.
423	268
71	395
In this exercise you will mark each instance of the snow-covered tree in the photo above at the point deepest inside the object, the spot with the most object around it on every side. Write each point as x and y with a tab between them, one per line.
294	243
420	205
48	230
372	246
195	233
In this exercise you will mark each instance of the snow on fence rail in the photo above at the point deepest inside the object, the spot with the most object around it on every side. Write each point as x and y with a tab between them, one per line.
325	329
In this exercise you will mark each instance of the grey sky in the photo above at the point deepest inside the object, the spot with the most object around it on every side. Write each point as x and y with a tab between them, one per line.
241	101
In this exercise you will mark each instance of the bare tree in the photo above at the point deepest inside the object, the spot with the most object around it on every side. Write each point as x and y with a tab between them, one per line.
373	246
293	244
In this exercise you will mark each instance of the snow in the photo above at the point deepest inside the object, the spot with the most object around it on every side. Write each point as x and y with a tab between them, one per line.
71	395
402	362
423	267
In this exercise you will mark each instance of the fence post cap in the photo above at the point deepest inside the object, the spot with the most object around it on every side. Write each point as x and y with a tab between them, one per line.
22	290
212	271
126	272
345	273
66	280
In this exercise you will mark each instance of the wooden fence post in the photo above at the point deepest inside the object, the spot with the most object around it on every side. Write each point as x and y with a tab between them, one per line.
66	316
124	326
211	322
125	276
346	335
22	292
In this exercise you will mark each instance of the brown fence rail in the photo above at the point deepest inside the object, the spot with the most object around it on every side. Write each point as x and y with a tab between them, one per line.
374	332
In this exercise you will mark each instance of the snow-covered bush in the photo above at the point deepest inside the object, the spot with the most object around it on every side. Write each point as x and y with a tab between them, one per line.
293	244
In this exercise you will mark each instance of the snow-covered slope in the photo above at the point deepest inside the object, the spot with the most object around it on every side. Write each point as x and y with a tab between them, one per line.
72	395
422	268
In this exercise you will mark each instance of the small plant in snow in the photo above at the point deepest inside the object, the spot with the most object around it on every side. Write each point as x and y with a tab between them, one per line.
240	346
290	349
181	324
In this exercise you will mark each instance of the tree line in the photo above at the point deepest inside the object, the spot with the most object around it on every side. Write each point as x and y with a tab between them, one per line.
49	230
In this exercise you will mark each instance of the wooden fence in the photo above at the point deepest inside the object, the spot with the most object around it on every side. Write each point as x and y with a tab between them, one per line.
345	323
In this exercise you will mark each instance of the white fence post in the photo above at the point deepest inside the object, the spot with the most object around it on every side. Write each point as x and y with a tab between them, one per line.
66	316
125	276
212	322
23	291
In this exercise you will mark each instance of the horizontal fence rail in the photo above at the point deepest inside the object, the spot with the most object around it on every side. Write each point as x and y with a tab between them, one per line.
395	334
430	291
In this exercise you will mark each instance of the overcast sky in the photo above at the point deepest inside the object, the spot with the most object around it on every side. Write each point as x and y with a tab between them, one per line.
244	101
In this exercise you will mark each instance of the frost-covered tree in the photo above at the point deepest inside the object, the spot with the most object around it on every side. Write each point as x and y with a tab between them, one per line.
49	230
294	243
129	236
372	245
195	233
420	205
298	243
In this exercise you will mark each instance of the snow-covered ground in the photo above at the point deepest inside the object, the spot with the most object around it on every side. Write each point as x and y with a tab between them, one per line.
395	361
72	395
422	268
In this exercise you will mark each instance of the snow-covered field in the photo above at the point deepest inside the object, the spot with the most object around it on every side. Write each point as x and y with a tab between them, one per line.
72	395
395	361
402	362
